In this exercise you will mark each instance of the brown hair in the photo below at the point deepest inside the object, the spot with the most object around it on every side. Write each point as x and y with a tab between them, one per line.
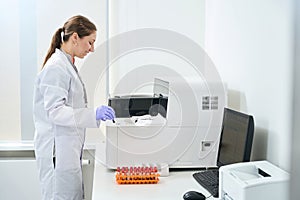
76	24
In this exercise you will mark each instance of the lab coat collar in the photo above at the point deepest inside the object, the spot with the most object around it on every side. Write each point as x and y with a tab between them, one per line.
70	59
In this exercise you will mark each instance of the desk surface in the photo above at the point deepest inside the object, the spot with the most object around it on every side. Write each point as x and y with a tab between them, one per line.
171	187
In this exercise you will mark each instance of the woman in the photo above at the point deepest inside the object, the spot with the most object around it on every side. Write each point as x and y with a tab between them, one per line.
61	114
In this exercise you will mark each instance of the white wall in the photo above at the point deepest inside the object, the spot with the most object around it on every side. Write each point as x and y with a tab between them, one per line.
177	16
173	15
251	43
10	126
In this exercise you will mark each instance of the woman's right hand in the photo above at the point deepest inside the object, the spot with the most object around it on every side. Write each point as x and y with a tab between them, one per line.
105	113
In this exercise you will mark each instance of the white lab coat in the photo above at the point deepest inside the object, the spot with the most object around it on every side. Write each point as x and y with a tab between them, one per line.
60	116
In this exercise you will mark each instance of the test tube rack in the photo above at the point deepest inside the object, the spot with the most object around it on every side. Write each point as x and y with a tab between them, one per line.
137	175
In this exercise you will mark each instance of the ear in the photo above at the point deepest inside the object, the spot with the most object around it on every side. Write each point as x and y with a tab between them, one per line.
75	36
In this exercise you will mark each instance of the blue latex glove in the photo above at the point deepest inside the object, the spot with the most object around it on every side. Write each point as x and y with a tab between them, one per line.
105	113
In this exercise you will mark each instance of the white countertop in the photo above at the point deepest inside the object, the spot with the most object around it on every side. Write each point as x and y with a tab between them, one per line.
171	187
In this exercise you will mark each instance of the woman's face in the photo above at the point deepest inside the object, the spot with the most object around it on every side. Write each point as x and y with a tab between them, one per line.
85	45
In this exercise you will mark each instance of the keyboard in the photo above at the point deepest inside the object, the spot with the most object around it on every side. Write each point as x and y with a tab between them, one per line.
209	179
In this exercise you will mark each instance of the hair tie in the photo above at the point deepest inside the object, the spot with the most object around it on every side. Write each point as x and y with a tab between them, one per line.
62	34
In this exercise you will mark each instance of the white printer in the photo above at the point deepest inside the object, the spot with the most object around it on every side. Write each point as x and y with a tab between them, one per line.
259	180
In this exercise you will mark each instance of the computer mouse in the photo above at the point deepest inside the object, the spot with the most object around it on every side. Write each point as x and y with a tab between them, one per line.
193	195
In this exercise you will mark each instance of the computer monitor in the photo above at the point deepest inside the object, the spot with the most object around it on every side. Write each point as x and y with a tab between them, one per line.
236	138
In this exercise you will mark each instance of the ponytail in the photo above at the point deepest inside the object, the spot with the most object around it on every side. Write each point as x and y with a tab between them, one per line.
55	44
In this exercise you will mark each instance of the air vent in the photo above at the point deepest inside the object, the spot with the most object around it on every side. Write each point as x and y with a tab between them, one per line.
210	102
